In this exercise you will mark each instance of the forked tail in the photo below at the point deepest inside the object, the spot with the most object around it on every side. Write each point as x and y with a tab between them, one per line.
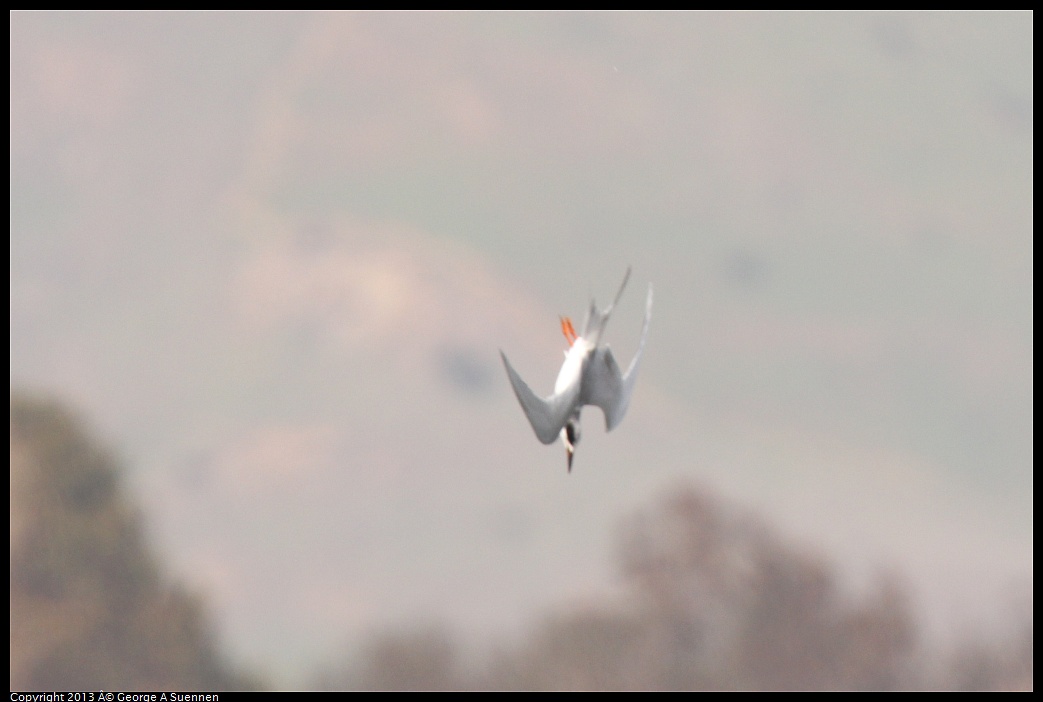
598	319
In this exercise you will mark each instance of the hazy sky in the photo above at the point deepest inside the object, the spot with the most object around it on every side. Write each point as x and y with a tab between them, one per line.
272	256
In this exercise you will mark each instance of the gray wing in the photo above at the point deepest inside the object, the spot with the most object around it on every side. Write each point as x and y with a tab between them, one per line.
605	386
547	416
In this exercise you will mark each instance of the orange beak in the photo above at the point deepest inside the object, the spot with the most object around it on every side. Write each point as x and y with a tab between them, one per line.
568	330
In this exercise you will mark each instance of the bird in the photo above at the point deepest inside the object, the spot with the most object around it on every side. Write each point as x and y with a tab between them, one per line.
589	376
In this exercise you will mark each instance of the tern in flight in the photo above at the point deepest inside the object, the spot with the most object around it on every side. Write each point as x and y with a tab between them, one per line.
589	376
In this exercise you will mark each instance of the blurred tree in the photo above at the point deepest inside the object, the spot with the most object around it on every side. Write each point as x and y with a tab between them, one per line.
585	650
993	667
715	601
719	602
89	606
415	659
726	604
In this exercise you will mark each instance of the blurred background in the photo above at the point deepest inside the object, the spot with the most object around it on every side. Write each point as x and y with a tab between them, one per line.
262	265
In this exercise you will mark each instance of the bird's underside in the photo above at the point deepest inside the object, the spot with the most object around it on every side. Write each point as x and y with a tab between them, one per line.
590	375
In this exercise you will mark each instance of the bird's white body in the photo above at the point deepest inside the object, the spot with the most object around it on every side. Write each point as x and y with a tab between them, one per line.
572	369
589	376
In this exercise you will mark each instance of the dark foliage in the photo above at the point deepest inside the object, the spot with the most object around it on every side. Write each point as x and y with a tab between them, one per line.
716	601
89	606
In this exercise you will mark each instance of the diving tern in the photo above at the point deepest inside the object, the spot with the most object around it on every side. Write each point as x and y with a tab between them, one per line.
589	376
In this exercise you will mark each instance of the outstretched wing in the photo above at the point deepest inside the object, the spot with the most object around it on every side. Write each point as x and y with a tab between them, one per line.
547	416
605	386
